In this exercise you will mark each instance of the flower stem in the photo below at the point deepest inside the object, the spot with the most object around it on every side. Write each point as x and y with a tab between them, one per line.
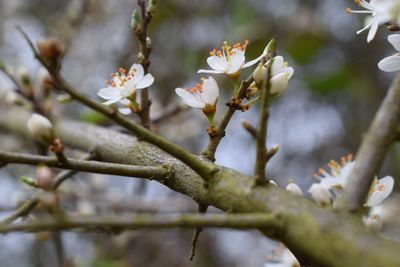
236	88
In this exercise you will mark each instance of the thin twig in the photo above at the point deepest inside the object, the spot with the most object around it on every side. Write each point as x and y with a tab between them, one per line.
209	151
150	172
236	221
196	234
203	168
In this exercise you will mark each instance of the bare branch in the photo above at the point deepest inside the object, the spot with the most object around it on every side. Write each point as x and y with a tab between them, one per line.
375	144
149	172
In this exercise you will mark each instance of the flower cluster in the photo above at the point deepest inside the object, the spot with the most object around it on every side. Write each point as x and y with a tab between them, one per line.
123	86
380	12
230	60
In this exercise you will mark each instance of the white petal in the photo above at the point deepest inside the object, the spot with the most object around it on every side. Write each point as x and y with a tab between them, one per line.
294	188
113	100
394	39
210	91
378	196
210	71
252	62
236	61
108	93
289	71
125	111
145	82
372	30
279	83
331	183
278	65
320	194
390	64
217	63
137	71
188	98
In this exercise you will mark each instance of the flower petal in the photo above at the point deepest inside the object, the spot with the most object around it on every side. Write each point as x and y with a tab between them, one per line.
236	61
390	64
210	71
113	100
188	98
394	39
210	91
279	83
137	71
278	65
125	111
380	191
108	93
145	82
373	30
217	63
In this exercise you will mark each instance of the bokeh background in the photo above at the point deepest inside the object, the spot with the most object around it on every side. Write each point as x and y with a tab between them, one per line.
330	101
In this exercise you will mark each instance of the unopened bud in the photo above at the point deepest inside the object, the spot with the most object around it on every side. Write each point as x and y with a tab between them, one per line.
64	99
279	83
41	129
373	223
294	188
148	42
23	76
273	182
270	47
135	21
250	128
51	49
44	177
141	56
151	7
321	194
260	74
49	200
45	81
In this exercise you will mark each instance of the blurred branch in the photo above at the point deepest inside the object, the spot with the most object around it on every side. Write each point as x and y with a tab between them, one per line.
209	151
124	222
150	172
31	203
202	167
314	234
375	144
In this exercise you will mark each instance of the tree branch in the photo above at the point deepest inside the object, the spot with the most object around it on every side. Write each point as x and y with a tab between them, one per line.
375	144
314	234
237	221
150	172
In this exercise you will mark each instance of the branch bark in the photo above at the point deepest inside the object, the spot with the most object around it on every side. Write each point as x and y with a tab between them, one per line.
315	235
373	149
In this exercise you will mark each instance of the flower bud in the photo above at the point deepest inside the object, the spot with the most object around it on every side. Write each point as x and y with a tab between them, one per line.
51	49
135	21
45	81
151	7
41	129
269	47
44	177
28	181
260	74
23	76
294	188
373	223
279	83
320	194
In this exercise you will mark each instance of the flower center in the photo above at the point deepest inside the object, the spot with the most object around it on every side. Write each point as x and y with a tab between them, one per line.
227	51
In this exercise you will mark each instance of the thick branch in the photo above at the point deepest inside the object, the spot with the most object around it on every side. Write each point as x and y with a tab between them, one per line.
314	234
374	147
150	172
237	221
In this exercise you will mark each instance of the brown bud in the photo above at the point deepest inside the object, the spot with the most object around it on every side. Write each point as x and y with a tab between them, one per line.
57	146
44	177
51	49
212	131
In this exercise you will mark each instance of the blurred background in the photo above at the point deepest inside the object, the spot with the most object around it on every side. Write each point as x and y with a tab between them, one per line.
331	99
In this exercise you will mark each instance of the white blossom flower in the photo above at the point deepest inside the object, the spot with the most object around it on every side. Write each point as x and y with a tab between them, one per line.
41	129
230	59
203	96
380	190
380	13
321	194
338	175
284	258
392	63
123	87
294	188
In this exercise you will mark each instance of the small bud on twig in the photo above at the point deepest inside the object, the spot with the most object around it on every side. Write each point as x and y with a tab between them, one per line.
250	128
44	177
28	181
135	21
151	7
52	50
41	129
271	152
